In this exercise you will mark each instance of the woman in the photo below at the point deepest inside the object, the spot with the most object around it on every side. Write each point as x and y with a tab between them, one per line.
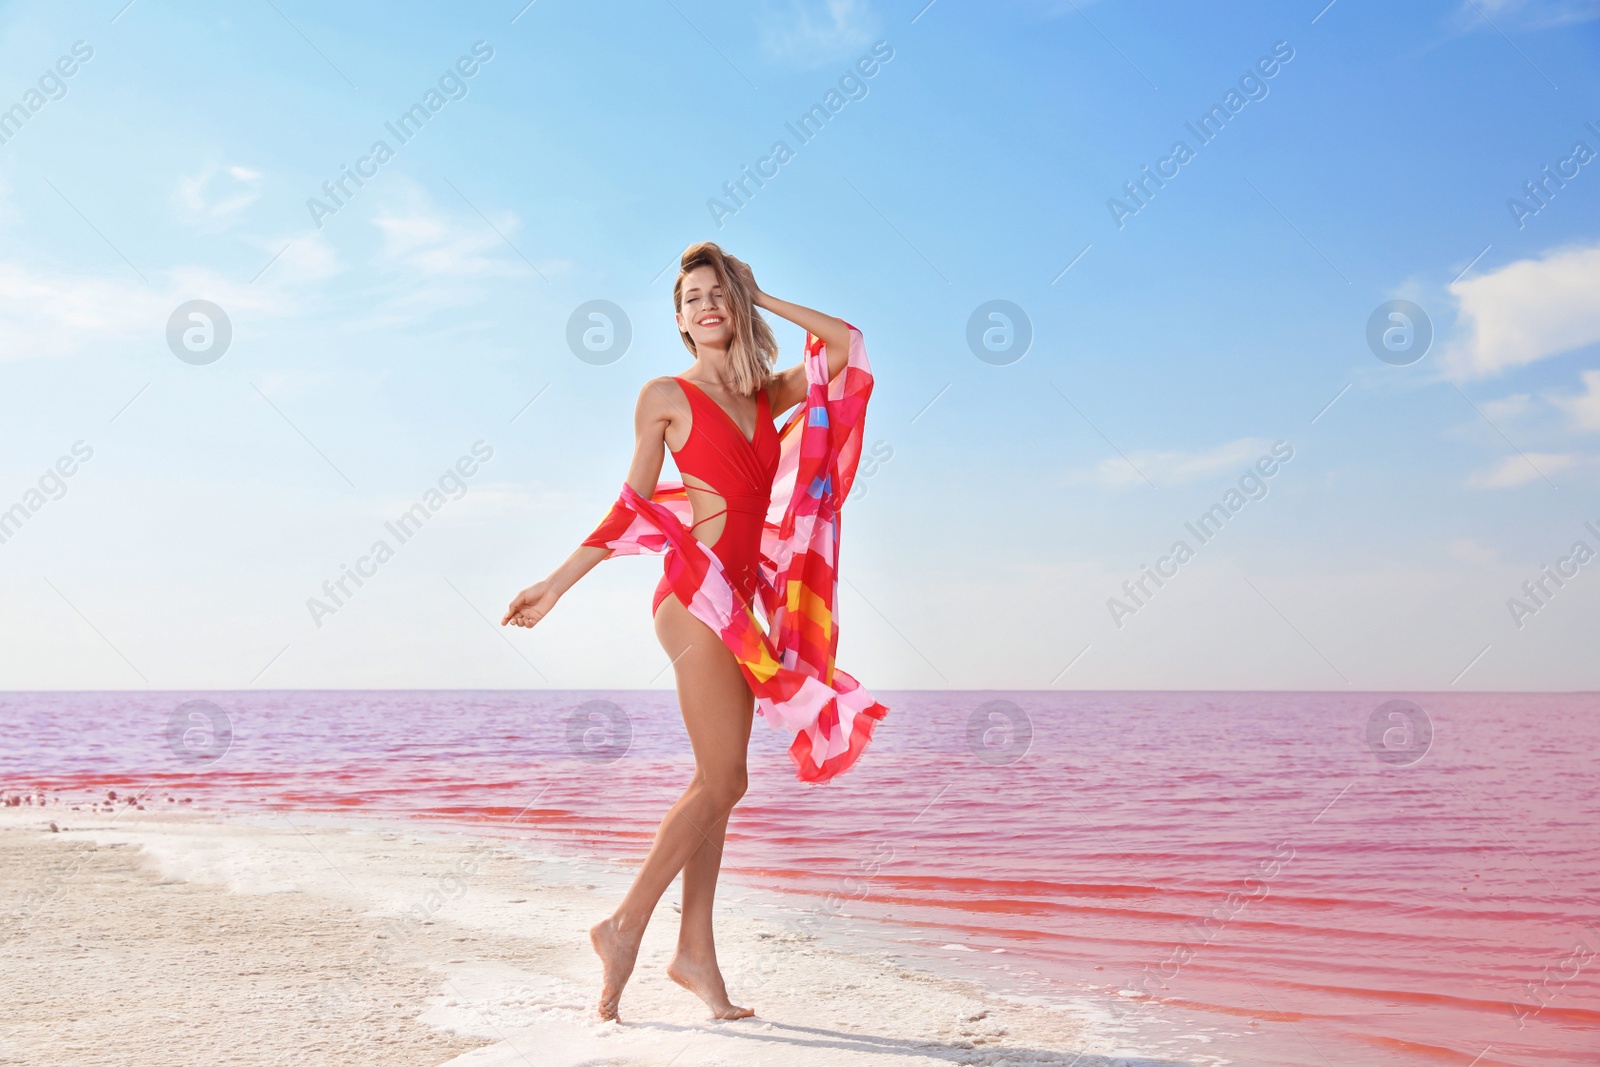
716	418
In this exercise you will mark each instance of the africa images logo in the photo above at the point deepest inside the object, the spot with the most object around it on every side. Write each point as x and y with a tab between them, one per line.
452	85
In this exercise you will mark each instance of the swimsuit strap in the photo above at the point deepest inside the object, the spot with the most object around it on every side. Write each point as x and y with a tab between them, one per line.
708	518
748	505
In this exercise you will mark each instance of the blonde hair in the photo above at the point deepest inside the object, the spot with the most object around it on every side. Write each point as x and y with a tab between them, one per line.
753	350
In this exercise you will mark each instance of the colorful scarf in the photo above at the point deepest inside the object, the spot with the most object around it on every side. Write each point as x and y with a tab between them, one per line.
789	664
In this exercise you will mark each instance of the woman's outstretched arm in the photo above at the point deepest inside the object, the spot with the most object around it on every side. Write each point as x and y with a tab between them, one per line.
651	417
788	387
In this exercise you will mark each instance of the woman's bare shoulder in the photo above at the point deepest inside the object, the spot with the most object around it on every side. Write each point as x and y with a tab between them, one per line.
663	393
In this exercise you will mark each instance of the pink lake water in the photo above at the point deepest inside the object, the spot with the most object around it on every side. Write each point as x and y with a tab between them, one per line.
1284	883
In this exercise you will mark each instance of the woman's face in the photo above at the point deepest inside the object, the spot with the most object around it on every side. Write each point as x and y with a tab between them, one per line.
704	312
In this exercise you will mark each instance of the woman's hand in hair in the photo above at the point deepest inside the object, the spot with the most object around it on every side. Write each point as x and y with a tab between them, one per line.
746	276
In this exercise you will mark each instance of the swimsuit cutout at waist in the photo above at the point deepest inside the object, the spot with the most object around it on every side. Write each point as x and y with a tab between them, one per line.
739	470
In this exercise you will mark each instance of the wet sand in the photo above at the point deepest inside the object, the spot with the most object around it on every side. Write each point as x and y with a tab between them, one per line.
144	937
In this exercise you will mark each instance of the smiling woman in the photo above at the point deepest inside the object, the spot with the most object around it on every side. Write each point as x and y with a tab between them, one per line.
1127	692
715	581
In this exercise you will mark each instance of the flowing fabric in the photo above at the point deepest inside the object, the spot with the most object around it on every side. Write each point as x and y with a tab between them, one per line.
789	663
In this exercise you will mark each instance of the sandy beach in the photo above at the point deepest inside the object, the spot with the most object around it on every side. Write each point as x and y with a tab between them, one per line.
143	937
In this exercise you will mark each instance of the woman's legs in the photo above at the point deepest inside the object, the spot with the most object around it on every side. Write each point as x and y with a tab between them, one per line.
717	710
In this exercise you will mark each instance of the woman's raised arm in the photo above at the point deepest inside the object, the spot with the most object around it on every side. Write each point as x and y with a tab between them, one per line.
788	387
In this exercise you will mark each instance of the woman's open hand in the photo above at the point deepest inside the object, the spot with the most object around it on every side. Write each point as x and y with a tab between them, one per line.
532	604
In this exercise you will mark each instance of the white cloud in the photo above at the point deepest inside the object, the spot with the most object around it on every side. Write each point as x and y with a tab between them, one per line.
434	246
1470	552
208	208
1523	14
1508	407
302	258
1526	311
1172	468
809	34
1513	471
1051	9
1583	408
45	314
271	382
437	262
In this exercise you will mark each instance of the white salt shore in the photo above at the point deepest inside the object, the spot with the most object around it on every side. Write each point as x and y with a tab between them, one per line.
139	938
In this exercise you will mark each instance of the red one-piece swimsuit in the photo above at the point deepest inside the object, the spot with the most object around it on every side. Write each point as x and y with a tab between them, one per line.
739	470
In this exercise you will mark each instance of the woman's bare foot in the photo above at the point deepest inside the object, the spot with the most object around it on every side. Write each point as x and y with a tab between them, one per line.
617	951
705	981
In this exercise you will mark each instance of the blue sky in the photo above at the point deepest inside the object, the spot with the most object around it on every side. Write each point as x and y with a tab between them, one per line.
370	353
